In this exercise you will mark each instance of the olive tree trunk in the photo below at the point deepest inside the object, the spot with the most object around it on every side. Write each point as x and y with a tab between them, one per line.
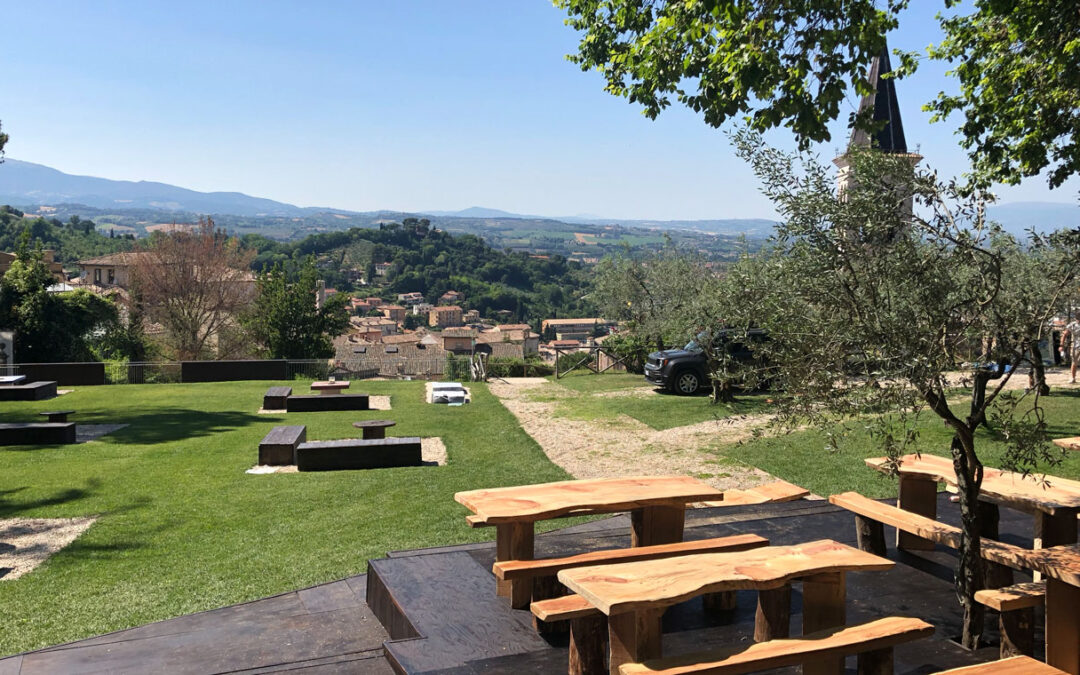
970	569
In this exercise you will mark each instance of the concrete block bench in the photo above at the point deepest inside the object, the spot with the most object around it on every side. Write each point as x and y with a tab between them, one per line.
318	403
274	398
37	433
355	453
34	391
279	446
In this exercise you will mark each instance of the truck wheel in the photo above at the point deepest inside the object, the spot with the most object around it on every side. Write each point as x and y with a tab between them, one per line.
687	383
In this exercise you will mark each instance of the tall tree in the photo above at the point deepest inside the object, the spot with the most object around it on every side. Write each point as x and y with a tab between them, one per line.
194	284
3	142
870	305
790	63
286	318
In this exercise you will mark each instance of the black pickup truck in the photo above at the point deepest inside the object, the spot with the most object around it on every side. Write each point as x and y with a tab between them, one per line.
684	371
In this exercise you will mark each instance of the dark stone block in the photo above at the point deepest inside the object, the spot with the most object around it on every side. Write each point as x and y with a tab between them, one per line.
279	446
355	453
40	433
34	391
274	399
320	403
67	374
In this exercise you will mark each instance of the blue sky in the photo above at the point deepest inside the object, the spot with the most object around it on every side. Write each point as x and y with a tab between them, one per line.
410	105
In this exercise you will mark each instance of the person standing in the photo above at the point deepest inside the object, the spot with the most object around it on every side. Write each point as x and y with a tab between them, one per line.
1072	331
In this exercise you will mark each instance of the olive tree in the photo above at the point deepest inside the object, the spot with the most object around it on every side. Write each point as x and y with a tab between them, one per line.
871	304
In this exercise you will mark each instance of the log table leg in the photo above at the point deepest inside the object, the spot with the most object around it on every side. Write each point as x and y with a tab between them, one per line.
824	598
514	541
876	662
1017	628
1063	626
773	617
545	588
1054	530
870	535
634	637
655	525
918	495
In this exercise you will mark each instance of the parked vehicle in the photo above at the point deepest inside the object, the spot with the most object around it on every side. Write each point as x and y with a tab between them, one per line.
685	371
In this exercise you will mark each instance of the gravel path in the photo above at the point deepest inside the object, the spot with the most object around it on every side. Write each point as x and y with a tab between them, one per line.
622	445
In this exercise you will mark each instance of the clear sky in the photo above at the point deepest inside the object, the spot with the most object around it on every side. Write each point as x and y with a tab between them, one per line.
409	105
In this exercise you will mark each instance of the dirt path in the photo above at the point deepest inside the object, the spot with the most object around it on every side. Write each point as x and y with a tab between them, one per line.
622	445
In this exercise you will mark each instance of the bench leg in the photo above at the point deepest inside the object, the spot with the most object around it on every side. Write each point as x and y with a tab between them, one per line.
1017	632
514	541
773	617
722	604
633	637
877	662
918	495
588	645
655	525
824	597
1062	626
543	589
870	535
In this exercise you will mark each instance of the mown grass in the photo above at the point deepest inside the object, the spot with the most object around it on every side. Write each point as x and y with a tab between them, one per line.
803	457
658	410
182	528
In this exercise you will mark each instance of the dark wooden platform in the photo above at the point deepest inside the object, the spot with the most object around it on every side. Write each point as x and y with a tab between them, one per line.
32	391
442	616
275	398
357	453
279	446
37	433
321	403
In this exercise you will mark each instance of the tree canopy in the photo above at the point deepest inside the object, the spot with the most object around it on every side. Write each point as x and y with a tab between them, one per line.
791	64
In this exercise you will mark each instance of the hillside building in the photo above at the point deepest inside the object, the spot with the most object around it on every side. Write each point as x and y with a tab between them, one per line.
445	317
48	257
580	330
451	298
395	313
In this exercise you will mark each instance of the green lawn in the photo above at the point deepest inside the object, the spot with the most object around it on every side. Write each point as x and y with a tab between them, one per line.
802	457
592	399
182	528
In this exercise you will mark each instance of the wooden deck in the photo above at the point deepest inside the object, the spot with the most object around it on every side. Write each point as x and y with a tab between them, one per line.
436	611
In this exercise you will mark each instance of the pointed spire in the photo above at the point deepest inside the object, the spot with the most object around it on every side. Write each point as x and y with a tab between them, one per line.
882	102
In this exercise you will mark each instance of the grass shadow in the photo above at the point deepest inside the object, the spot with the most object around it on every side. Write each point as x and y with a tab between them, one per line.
173	424
10	509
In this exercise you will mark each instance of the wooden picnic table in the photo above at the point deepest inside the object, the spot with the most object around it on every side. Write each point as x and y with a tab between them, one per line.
1071	443
374	428
634	595
1061	567
330	388
1055	503
657	506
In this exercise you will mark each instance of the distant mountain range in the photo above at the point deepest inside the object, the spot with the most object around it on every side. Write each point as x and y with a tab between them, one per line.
28	184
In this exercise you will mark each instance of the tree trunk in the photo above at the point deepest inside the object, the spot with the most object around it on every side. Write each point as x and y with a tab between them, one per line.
969	571
1038	370
722	392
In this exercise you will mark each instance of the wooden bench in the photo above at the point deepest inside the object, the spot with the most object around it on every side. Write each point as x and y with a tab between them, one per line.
357	453
37	433
318	403
274	398
873	642
777	491
871	516
34	391
1017	665
1016	614
279	446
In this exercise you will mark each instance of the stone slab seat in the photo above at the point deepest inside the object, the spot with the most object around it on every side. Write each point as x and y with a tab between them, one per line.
1016	619
872	642
319	403
33	391
356	453
1017	665
871	515
37	433
279	446
274	398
